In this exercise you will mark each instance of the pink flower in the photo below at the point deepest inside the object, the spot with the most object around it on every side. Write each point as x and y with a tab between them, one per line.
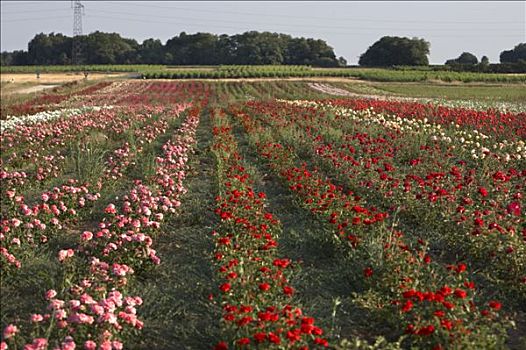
90	345
110	209
38	344
3	345
106	345
50	294
64	254
36	318
10	331
86	236
68	344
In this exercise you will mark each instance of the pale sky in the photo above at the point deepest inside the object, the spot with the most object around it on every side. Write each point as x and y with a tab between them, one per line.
479	27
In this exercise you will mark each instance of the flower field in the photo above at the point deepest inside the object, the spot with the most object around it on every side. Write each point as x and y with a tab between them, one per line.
260	215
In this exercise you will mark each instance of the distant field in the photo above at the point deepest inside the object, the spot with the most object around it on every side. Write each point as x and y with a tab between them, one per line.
55	77
503	92
236	72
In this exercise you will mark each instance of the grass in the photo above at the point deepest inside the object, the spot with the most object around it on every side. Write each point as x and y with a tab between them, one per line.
510	93
177	310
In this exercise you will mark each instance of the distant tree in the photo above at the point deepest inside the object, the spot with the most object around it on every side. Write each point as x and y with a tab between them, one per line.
396	51
109	48
188	49
342	62
150	52
303	51
258	48
484	61
514	55
48	49
464	58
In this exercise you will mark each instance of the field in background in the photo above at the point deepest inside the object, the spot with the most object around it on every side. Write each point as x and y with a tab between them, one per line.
233	72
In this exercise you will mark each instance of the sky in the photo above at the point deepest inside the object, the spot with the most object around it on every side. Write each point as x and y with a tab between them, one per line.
480	27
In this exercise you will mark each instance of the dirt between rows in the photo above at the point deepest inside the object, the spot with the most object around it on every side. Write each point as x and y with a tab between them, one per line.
32	89
54	77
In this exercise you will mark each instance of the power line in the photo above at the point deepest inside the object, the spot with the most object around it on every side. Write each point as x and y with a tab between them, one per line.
314	33
311	17
29	11
34	19
286	25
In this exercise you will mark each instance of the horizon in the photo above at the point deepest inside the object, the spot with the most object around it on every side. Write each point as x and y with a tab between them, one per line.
475	34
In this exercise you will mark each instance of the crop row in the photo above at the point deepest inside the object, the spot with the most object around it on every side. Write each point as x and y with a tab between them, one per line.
256	296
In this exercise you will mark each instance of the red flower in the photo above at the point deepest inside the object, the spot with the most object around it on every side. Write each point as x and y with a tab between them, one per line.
264	287
426	330
459	293
273	338
260	337
447	324
243	341
495	305
448	305
439	313
367	272
221	346
294	336
461	268
288	290
514	208
483	192
225	287
321	341
409	294
407	306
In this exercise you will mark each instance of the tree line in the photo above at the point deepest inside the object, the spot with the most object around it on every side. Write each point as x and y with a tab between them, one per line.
249	48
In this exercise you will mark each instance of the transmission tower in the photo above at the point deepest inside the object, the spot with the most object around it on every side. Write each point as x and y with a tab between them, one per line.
78	12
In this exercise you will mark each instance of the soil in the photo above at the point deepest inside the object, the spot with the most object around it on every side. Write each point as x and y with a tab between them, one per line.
55	77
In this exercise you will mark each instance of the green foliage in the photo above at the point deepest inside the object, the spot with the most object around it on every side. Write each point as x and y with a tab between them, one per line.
464	58
390	51
517	54
377	74
259	48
